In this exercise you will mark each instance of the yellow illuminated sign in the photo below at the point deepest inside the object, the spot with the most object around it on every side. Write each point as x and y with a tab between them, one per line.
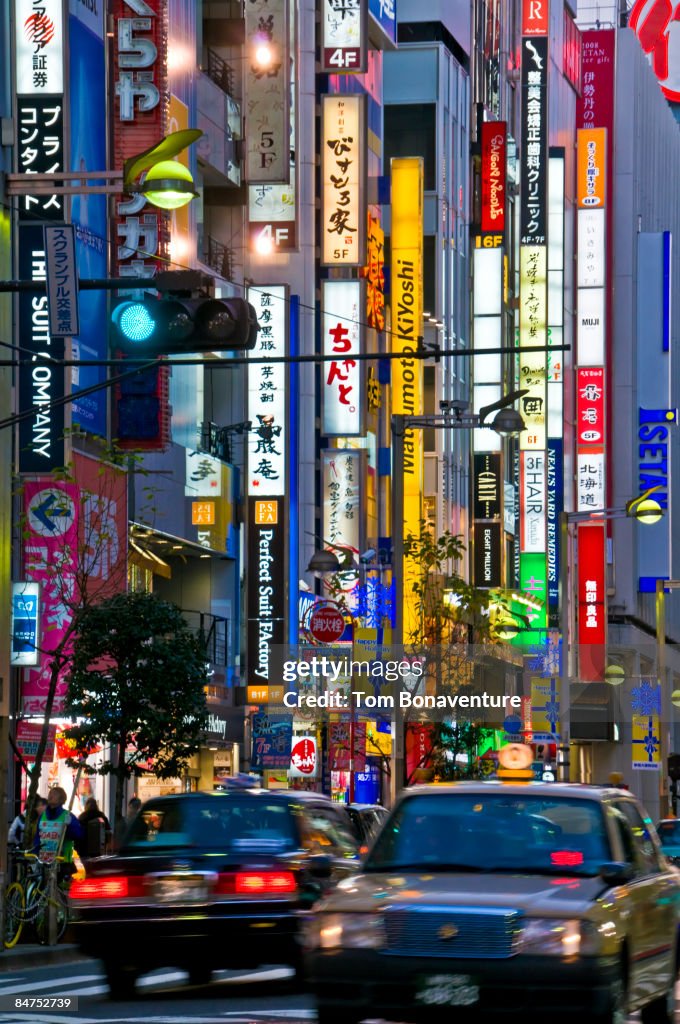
407	373
591	167
533	330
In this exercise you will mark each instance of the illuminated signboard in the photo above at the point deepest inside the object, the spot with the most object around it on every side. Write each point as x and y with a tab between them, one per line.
532	502
343	306
267	393
535	16
654	451
374	272
591	167
533	329
591	249
407	373
266	90
39	47
592	603
265	592
272	216
590	326
494	162
487	486
488	555
590	487
343	185
590	410
344	35
25	628
534	163
342	474
487	334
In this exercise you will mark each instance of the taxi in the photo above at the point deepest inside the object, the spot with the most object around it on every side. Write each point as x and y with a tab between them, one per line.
492	900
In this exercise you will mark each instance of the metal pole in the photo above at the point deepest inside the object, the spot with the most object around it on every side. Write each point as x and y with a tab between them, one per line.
398	427
565	677
661	676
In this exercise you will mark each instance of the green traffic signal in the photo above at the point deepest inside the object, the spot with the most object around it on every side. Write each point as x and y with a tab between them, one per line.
153	326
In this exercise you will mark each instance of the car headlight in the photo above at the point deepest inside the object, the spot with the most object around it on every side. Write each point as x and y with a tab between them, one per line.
558	937
348	931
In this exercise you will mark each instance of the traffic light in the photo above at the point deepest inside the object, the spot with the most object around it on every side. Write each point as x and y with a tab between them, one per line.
152	326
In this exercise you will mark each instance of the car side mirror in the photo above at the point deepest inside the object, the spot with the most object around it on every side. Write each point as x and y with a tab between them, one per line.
615	872
320	866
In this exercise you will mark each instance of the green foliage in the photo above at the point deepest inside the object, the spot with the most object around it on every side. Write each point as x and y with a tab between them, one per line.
451	740
137	684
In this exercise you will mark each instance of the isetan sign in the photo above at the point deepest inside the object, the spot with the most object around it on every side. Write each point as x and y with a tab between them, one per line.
493	176
653	451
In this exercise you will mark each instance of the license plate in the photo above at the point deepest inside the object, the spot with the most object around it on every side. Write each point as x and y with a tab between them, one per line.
447	990
181	889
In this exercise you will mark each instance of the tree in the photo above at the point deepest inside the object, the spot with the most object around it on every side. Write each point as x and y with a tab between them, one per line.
74	543
451	629
137	684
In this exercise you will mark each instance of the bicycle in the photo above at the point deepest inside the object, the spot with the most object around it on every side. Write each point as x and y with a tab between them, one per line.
32	903
15	902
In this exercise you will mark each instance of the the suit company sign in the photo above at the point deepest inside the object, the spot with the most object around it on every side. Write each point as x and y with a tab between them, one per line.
266	588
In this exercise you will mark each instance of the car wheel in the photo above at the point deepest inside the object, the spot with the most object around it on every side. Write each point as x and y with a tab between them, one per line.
327	1013
122	981
617	1011
199	974
661	1010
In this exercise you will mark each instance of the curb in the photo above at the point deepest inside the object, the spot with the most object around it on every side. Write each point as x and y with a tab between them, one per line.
34	955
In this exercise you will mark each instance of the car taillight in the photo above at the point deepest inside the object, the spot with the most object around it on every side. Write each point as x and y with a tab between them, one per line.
105	888
266	883
566	858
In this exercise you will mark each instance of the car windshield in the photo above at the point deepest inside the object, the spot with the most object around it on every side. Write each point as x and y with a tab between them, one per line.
669	833
234	824
493	832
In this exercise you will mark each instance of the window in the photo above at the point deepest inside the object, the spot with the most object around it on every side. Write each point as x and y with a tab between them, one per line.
231	824
410	130
644	844
324	833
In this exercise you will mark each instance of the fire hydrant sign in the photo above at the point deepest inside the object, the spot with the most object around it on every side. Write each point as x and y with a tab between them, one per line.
303	759
326	623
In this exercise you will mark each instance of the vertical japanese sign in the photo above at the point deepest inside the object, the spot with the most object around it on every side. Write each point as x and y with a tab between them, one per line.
267	95
267	393
89	127
594	122
374	273
343	181
39	39
533	303
62	280
344	35
343	305
494	162
272	741
343	485
407	373
592	601
140	232
266	590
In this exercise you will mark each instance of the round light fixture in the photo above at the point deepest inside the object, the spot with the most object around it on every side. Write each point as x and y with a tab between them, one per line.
508	421
323	562
648	512
169	185
507	629
675	698
614	675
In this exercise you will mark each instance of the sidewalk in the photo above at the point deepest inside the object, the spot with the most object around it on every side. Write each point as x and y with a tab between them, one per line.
34	955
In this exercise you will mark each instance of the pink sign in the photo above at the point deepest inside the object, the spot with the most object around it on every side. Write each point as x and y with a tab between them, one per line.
28	738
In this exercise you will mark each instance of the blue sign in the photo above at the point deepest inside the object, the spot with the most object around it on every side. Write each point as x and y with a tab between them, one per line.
24	629
654	464
385	13
272	741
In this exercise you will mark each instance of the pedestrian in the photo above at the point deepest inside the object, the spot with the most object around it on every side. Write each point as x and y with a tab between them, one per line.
121	828
96	828
58	833
17	830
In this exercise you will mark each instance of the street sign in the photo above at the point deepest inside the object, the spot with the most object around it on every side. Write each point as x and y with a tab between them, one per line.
25	623
326	623
62	280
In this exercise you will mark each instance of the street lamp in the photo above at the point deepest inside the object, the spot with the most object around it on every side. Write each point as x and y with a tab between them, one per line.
506	421
646	511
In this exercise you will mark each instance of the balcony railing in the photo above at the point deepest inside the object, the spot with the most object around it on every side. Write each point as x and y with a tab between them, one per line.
219	257
214	630
221	73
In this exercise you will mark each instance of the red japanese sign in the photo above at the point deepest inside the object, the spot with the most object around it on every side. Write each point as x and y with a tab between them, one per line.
655	23
28	738
595	105
493	176
419	743
343	316
592	601
535	17
590	406
339	746
326	623
303	759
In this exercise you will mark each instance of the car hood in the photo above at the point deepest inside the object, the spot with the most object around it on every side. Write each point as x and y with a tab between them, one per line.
553	895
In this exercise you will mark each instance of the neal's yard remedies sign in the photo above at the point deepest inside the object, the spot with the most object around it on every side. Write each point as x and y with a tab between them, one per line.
266	589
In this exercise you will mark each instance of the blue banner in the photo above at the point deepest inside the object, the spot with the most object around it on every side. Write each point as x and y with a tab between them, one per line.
272	741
